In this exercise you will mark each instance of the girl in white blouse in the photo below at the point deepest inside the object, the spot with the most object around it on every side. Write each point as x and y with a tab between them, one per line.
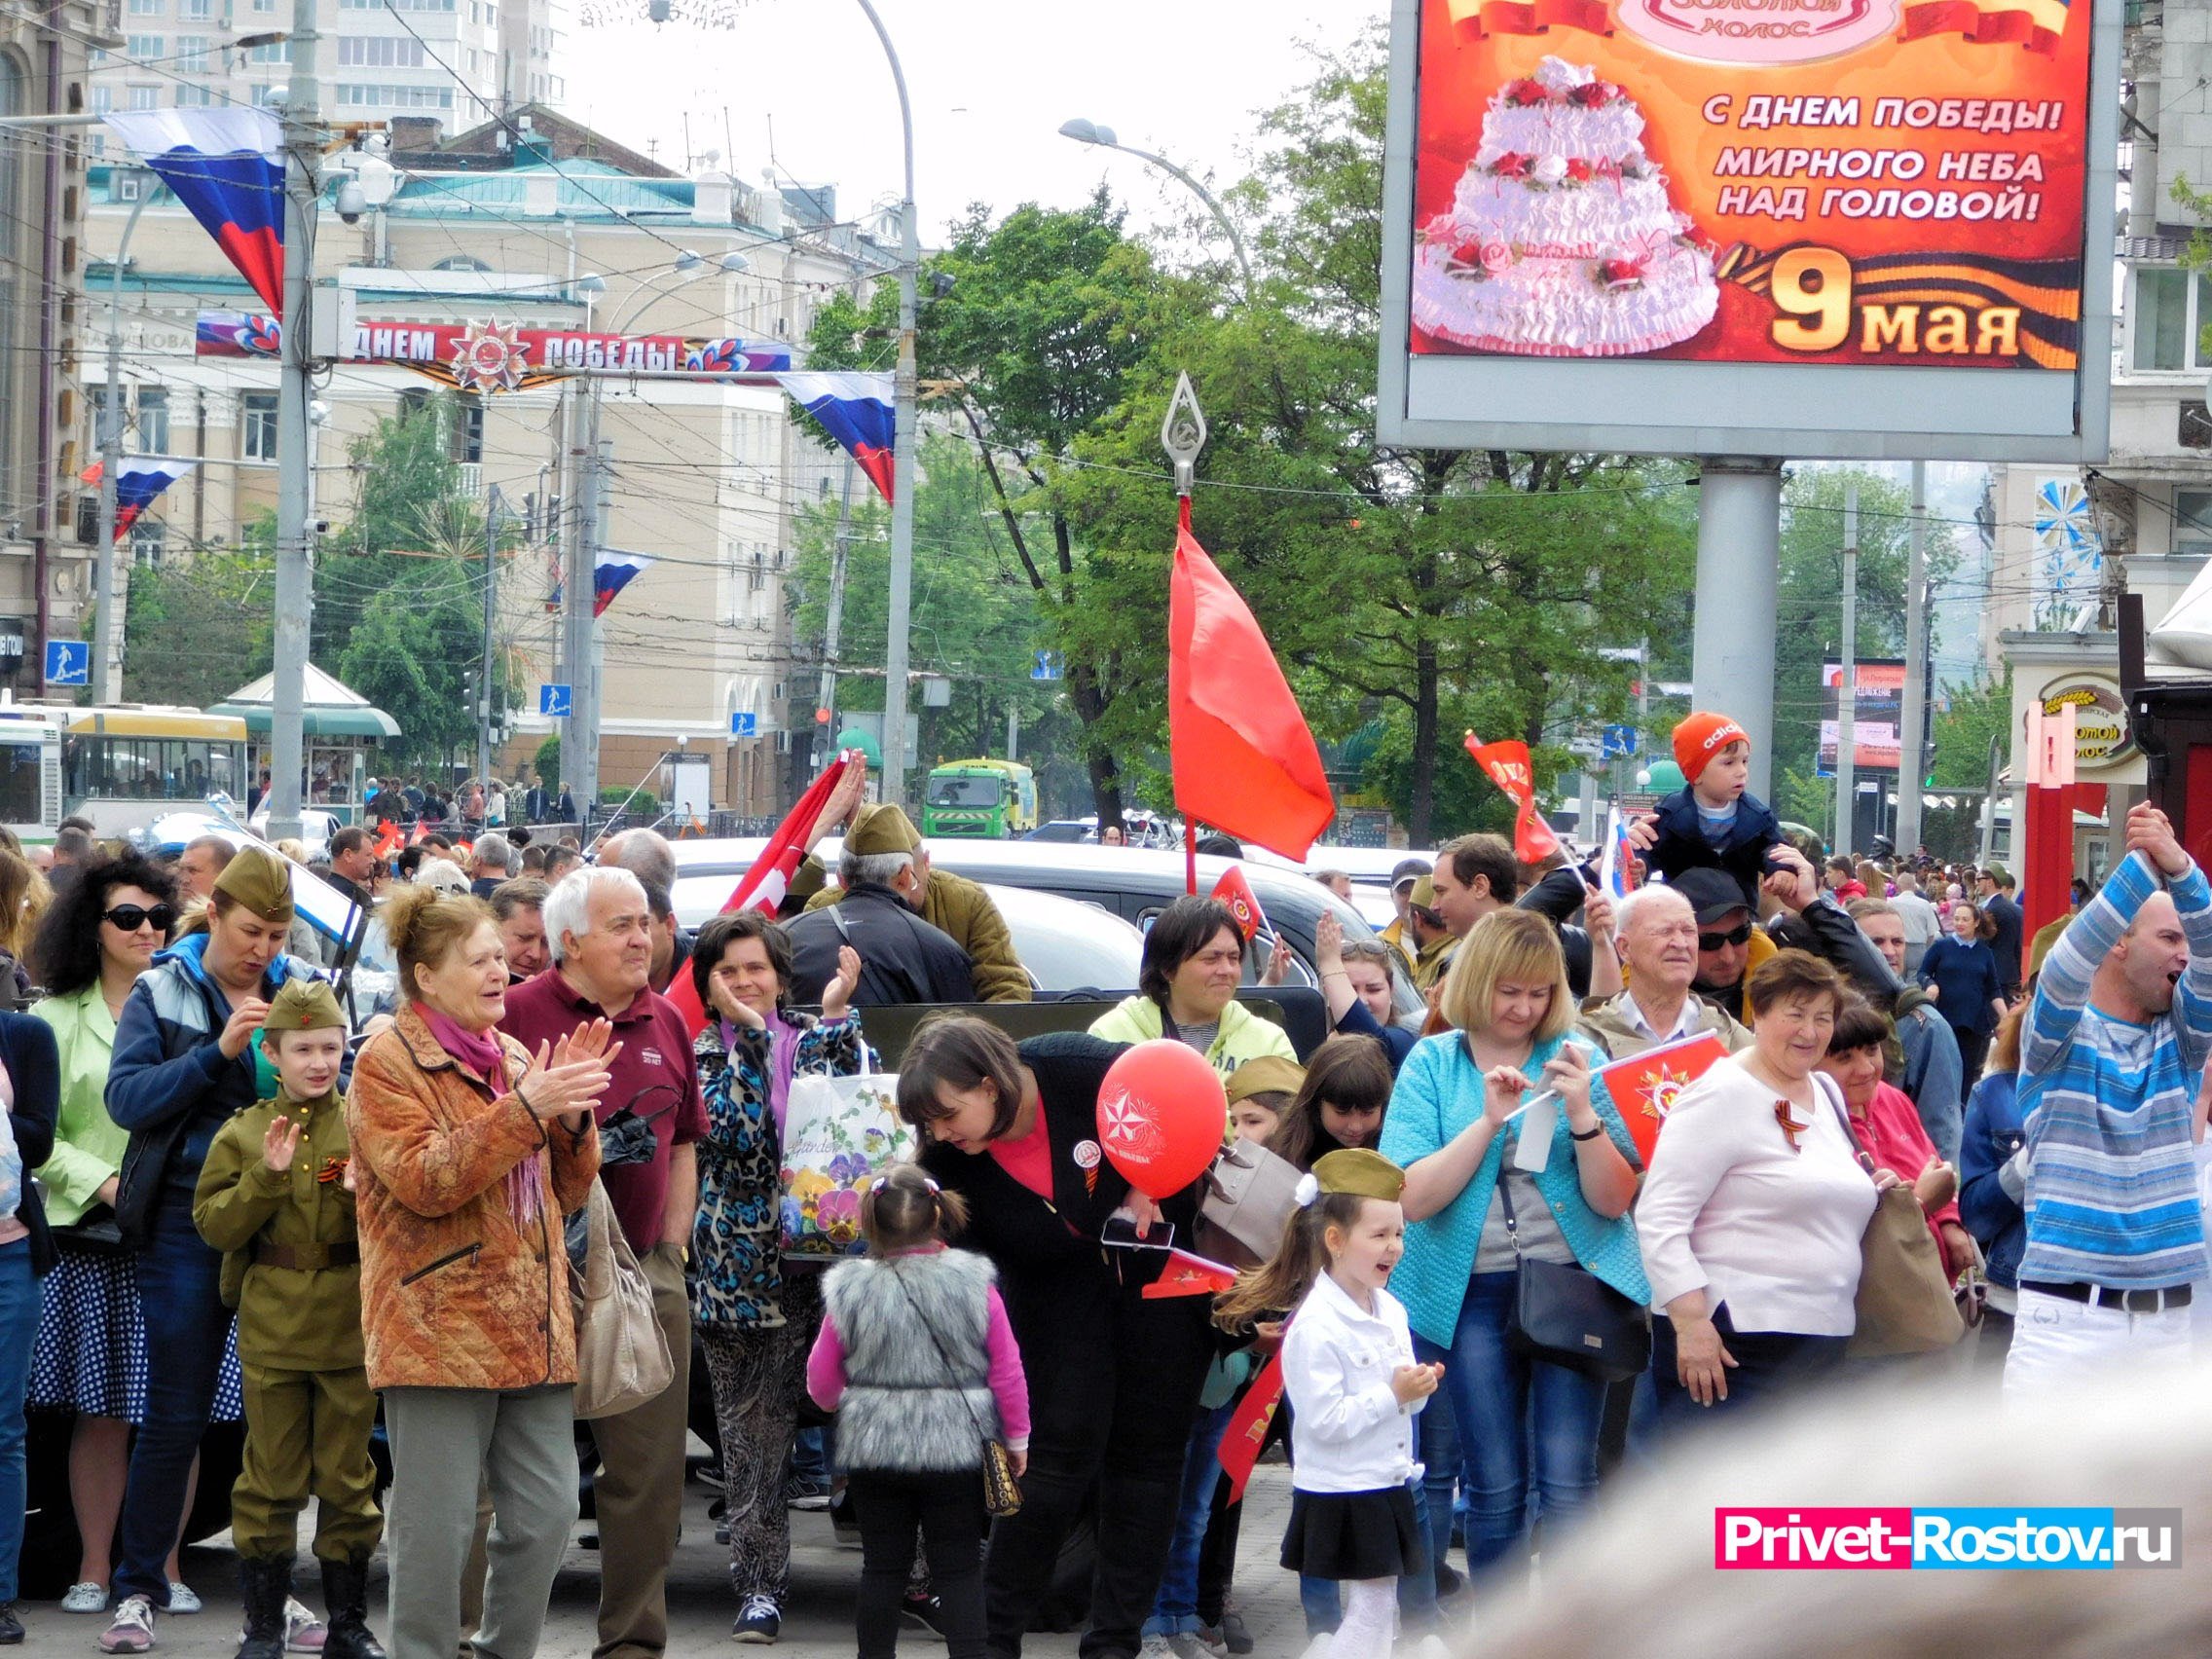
1752	1214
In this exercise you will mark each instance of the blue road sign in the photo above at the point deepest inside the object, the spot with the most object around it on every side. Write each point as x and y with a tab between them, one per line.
68	662
1617	740
1047	666
743	723
553	701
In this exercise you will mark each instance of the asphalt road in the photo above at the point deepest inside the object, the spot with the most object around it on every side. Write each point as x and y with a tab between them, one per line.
818	1618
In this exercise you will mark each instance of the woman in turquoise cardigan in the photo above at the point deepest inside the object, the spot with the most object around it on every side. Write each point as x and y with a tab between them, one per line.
1525	1429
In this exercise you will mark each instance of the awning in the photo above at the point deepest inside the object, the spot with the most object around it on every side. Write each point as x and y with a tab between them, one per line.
328	708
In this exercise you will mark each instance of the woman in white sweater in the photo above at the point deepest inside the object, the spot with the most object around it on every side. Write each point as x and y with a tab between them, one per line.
1752	1214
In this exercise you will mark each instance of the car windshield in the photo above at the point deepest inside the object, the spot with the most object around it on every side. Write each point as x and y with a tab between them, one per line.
966	792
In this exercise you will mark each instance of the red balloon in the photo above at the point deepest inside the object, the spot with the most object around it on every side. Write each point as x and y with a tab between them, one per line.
1162	1116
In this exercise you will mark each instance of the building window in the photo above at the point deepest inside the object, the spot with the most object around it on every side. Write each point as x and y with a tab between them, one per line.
195	97
153	419
377	51
271	51
147	539
144	49
129	186
145	97
2170	311
192	11
356	95
145	8
468	430
103	100
2193	521
192	55
260	422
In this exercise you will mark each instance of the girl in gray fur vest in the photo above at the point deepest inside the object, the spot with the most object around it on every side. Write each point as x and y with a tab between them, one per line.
917	1359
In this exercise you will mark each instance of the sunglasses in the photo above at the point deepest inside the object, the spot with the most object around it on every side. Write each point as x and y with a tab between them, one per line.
132	918
1740	934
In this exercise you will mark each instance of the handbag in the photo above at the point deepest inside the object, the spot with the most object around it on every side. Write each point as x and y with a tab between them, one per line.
1905	1304
1566	1315
839	1133
1002	1492
1249	1196
96	1233
623	1358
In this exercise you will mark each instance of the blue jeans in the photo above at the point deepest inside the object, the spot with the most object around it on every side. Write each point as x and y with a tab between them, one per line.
18	1329
810	1454
179	1297
1528	1431
1175	1609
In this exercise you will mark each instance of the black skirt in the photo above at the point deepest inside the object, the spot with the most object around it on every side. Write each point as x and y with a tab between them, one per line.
1351	1535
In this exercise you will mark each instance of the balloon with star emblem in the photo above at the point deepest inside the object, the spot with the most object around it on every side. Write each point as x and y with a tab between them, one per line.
1162	1116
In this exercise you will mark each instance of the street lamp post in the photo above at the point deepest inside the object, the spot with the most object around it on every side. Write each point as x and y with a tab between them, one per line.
1090	132
111	462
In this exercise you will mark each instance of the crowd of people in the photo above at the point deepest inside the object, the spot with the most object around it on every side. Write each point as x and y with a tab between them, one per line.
313	1209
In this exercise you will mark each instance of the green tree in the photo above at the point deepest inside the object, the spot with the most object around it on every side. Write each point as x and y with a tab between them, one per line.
1977	716
196	631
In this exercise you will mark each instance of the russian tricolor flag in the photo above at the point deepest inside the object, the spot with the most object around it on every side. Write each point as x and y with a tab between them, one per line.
226	165
614	572
857	409
139	483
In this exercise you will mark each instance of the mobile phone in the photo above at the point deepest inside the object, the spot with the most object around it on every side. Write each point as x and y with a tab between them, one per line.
1121	1234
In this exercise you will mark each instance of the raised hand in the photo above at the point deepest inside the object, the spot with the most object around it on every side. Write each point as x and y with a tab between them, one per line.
567	1079
2151	834
237	1031
837	994
280	1143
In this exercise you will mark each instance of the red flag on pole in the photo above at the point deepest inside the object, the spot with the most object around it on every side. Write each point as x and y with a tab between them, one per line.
1646	1087
764	885
1243	757
1234	891
1509	768
1248	1430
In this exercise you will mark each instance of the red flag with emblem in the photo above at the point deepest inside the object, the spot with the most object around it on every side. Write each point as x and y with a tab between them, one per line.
1234	891
1186	1274
1508	766
1248	1423
1646	1087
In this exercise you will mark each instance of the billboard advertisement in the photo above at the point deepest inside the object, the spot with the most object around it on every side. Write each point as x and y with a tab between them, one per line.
1711	223
1878	710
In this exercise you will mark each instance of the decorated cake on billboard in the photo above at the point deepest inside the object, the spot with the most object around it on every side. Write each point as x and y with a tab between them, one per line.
1562	240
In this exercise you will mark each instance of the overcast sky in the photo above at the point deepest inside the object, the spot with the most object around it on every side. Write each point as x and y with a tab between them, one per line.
991	81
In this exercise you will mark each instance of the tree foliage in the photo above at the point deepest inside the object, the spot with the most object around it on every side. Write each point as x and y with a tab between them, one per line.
196	631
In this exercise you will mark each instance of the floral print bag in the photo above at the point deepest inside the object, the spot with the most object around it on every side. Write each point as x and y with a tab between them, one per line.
839	1133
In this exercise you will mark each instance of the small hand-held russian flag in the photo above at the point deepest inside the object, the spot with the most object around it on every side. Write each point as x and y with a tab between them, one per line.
857	409
1618	876
226	165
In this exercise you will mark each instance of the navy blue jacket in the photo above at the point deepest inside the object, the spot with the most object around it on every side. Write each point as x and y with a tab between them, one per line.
1397	1041
34	1068
1968	977
1682	843
1991	1214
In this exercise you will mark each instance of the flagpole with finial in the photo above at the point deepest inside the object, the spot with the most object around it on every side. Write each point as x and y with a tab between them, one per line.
1182	434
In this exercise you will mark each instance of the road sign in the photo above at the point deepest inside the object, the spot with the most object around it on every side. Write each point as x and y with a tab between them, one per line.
743	723
68	662
1617	741
1047	666
553	701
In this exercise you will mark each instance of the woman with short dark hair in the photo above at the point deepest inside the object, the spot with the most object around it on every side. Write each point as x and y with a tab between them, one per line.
756	1314
1113	1377
1194	961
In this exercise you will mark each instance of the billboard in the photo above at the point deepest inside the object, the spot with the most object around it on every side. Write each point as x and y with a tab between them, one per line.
1762	227
1878	711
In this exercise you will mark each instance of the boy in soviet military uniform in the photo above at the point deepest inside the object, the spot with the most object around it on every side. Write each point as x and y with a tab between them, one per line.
276	1196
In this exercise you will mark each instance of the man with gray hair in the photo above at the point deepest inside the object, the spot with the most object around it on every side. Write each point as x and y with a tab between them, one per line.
489	863
904	959
1656	935
644	854
597	927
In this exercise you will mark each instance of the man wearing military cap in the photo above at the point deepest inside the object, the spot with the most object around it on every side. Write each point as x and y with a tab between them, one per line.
880	911
276	1197
1432	940
883	847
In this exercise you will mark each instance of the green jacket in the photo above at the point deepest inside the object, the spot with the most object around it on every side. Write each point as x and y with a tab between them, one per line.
1606	1023
957	906
1243	1036
300	1318
88	1146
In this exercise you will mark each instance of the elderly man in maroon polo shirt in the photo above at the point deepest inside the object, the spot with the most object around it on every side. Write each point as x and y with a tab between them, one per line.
597	928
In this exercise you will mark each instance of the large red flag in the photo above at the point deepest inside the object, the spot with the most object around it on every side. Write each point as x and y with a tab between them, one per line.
1508	766
1646	1087
763	886
1243	758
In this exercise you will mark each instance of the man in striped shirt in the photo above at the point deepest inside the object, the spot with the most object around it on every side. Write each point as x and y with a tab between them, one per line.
2115	1042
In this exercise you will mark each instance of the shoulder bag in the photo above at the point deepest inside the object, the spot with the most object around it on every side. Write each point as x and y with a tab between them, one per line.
623	1358
1249	1195
1566	1315
1002	1492
1905	1302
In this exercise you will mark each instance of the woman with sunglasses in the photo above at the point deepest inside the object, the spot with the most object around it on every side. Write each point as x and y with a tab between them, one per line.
91	1353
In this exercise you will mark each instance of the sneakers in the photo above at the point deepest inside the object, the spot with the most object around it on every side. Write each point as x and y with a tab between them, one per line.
183	1599
303	1632
802	1491
924	1615
86	1598
759	1620
131	1630
1230	1636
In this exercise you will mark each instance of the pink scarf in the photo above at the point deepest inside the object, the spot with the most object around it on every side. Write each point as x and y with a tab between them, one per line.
480	1053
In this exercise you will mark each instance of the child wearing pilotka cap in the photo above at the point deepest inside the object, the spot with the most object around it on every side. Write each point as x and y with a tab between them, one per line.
1714	822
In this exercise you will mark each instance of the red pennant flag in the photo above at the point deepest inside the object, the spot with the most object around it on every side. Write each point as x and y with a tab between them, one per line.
1248	1423
1186	1274
1243	904
1646	1087
388	838
1243	757
1509	768
764	885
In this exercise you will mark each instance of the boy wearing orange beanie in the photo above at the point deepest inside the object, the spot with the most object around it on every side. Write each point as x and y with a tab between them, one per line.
1714	822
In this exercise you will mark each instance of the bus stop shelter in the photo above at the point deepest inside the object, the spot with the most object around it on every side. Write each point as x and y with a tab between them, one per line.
342	729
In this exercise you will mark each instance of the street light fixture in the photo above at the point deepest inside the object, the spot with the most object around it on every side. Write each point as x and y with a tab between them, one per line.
1092	132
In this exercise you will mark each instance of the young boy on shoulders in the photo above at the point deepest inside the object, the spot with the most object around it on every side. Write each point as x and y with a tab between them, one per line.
1714	822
